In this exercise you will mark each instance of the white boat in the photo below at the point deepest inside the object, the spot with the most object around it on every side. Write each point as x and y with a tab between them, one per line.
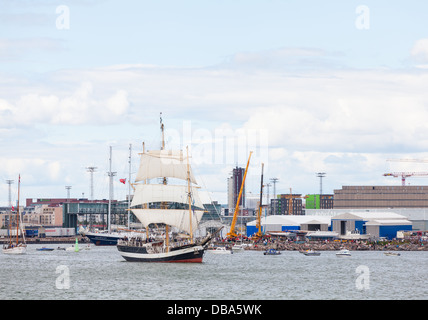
354	235
74	247
311	253
238	248
14	246
343	253
221	250
15	249
393	254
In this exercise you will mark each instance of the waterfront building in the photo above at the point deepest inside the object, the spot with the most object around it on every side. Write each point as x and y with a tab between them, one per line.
281	205
283	223
94	213
319	201
359	197
376	224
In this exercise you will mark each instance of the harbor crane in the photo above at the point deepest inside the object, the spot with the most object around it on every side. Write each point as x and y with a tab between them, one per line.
405	175
232	233
408	160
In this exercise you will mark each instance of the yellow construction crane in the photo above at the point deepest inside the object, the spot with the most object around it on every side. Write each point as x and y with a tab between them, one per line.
232	233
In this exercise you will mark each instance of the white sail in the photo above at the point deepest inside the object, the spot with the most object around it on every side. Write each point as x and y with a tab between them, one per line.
173	217
163	163
146	193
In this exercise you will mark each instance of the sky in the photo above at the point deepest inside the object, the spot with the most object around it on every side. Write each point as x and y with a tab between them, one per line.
309	86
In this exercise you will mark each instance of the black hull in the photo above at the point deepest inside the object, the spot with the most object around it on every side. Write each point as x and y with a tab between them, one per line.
187	254
137	251
103	240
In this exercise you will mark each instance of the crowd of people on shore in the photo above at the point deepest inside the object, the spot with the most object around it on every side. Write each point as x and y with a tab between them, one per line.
415	244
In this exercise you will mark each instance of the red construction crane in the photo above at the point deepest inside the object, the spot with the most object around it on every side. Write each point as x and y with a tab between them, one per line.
405	175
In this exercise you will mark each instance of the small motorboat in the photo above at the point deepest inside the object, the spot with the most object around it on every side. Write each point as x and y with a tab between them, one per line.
343	253
45	249
311	253
392	254
221	250
238	248
271	252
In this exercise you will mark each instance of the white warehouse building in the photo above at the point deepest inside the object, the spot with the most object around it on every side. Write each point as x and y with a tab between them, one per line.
290	223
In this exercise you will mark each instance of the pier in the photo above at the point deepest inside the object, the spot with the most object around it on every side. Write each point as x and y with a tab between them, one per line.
51	240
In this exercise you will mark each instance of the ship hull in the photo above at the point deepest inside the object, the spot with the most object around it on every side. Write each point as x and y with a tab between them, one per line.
20	249
100	239
187	254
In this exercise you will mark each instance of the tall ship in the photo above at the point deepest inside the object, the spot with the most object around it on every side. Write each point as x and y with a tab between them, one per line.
164	205
15	245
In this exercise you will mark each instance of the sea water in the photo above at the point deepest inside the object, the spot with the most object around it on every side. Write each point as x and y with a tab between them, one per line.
101	273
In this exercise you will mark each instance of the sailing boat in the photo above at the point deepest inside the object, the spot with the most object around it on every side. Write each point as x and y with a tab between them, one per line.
16	247
173	205
106	237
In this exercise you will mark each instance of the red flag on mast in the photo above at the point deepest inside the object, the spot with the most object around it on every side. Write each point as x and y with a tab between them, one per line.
123	181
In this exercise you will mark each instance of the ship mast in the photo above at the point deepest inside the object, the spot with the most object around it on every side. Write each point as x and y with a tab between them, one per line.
129	185
164	182
17	210
110	174
189	196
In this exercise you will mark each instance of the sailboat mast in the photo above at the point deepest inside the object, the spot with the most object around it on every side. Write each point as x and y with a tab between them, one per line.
17	209
164	182
162	132
110	174
129	185
145	205
189	196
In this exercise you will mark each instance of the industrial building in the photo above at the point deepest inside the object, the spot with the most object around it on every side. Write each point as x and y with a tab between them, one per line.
359	197
319	201
375	224
290	223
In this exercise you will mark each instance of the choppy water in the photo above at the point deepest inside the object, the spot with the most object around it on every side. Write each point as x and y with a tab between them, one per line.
101	273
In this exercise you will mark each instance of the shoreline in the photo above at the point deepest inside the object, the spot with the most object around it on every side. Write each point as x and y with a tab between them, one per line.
332	246
52	240
355	245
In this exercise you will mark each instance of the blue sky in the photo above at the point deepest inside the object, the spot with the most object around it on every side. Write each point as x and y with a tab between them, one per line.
316	91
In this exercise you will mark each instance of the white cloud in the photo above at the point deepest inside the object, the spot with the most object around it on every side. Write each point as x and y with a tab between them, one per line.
341	121
420	50
76	108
